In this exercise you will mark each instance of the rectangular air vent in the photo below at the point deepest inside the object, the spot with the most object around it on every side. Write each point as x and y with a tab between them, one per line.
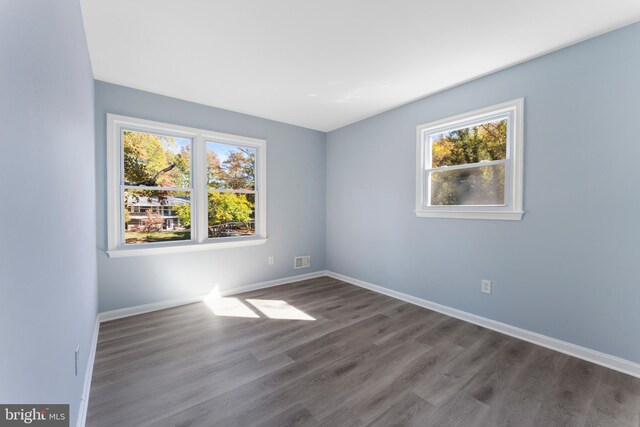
302	262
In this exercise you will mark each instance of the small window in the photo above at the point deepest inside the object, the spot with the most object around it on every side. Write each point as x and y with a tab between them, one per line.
470	166
175	188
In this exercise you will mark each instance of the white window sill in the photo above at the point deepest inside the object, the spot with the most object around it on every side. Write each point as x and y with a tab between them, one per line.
509	216
160	249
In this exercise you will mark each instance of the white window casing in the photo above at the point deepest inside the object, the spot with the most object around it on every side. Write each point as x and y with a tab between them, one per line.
199	189
512	209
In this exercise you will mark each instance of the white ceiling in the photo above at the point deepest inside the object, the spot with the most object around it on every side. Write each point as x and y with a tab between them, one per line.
325	64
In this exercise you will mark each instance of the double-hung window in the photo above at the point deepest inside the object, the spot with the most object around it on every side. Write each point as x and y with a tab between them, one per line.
173	188
471	165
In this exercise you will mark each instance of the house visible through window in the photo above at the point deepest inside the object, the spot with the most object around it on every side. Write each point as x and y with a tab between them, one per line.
470	166
170	185
156	184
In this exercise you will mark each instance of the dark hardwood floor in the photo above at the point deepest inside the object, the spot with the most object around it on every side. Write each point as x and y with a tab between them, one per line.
258	359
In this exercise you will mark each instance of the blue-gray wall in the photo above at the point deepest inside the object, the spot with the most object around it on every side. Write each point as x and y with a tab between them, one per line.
570	269
295	206
48	293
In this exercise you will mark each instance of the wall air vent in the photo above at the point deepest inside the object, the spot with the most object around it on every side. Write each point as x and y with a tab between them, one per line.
302	262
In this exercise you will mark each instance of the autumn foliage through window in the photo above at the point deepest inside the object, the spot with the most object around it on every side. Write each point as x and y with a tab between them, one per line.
231	183
157	188
157	183
471	165
469	147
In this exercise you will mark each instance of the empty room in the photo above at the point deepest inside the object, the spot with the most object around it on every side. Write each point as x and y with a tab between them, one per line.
305	213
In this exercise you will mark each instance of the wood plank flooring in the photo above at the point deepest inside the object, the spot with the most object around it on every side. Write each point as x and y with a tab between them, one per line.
365	359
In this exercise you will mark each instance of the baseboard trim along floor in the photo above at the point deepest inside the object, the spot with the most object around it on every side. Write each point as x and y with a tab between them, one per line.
593	356
105	316
86	389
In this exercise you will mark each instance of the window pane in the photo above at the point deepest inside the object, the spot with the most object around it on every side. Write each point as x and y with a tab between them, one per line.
473	144
156	160
474	186
231	214
231	167
156	216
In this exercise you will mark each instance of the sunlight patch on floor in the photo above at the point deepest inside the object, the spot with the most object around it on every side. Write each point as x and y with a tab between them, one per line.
278	309
262	308
231	307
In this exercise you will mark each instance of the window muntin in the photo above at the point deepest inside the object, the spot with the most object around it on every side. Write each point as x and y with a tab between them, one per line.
162	195
470	166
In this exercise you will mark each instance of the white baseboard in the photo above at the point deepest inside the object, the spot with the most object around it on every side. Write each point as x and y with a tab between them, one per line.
146	308
84	402
105	316
276	282
606	360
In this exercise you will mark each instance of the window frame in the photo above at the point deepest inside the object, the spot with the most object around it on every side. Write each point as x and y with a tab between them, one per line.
514	164
198	188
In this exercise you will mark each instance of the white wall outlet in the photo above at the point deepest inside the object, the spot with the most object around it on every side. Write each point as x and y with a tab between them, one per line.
272	260
485	288
76	356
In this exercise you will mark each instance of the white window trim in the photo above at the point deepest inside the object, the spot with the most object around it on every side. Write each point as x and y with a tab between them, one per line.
199	189
512	210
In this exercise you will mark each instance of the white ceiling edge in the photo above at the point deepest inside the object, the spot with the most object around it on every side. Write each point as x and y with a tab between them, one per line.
488	73
299	87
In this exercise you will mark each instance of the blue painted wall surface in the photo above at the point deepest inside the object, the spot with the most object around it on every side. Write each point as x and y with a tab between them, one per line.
570	269
48	292
295	212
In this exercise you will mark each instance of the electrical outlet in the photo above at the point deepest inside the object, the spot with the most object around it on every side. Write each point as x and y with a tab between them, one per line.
486	287
272	260
77	359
